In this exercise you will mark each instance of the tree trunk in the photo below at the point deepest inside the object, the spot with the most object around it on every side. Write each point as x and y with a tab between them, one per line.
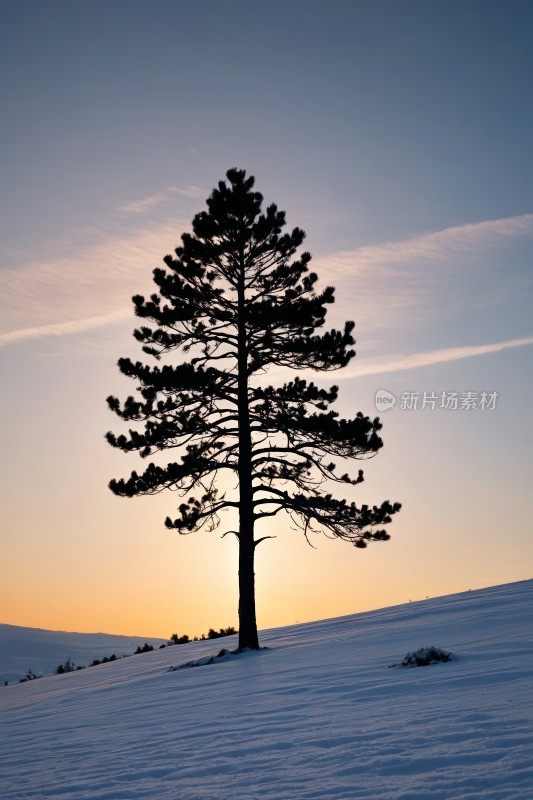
247	620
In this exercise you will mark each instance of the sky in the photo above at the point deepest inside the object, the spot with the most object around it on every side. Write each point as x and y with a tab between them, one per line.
397	135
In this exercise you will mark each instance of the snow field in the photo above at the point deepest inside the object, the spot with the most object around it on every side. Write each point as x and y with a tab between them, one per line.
319	715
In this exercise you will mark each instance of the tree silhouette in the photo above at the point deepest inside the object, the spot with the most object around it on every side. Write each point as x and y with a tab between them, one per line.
239	300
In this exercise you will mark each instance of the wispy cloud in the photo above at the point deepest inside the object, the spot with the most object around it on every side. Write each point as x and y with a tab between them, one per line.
420	276
62	294
439	246
147	203
399	363
90	283
64	328
140	206
190	191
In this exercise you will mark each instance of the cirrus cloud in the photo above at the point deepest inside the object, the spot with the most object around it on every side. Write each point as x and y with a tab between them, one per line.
89	285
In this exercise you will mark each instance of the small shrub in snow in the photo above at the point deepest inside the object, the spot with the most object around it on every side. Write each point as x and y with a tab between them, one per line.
30	676
425	656
146	648
175	639
104	660
213	634
68	666
222	655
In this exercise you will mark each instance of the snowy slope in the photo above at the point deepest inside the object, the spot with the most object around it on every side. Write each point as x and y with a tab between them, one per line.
317	716
42	651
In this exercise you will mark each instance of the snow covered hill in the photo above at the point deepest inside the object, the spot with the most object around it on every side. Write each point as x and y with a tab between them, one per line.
319	715
42	651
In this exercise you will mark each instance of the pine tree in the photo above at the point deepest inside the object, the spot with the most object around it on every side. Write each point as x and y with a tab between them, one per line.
238	298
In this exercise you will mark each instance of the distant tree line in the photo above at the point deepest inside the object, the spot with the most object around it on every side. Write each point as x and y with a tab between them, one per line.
211	634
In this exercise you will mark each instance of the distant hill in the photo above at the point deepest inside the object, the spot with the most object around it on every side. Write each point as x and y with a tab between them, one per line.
42	651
